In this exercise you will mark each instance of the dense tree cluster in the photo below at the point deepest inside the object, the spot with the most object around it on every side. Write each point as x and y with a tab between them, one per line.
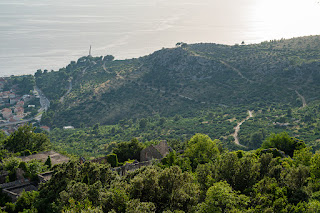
26	140
205	178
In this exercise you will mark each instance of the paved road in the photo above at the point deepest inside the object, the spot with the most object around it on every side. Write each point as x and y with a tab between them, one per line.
44	102
16	122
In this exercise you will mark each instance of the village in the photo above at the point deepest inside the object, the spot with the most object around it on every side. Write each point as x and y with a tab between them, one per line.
16	109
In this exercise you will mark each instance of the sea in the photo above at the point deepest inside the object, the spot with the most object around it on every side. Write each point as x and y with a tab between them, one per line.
48	34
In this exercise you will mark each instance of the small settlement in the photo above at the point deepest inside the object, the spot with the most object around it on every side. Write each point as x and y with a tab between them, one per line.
14	189
13	106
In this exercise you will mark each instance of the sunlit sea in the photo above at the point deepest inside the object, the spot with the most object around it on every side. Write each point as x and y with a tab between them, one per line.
48	34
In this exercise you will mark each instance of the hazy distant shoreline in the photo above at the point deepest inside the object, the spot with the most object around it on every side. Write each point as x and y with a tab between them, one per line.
48	35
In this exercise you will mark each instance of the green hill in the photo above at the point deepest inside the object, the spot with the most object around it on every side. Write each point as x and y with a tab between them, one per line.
182	80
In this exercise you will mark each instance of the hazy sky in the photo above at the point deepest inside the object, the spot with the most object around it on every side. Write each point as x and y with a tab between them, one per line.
48	34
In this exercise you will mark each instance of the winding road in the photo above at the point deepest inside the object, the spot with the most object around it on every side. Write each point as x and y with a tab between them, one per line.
44	101
304	103
237	129
68	91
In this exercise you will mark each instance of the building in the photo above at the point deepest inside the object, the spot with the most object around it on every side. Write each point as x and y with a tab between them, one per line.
46	128
6	113
68	127
155	151
19	110
20	103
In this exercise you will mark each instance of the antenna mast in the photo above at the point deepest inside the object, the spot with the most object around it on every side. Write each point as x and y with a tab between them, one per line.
90	51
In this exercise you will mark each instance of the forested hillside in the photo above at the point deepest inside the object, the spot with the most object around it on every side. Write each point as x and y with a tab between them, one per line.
183	80
175	93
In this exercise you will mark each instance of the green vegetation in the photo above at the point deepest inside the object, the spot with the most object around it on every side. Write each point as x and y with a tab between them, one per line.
175	93
221	181
25	140
120	107
23	84
128	150
22	142
100	140
183	80
219	124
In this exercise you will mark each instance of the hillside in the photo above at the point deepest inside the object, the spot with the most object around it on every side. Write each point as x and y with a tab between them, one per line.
182	80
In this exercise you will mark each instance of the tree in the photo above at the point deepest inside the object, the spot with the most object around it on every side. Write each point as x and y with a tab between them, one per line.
256	139
143	123
283	142
315	166
303	156
26	200
201	149
48	162
168	189
112	159
162	121
25	138
38	73
267	195
11	164
74	181
115	199
108	58
128	150
221	198
135	206
240	173
83	207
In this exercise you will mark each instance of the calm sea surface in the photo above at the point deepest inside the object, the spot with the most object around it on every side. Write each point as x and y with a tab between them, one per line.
48	34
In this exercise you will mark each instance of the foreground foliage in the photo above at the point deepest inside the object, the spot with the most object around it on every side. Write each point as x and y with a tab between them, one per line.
206	178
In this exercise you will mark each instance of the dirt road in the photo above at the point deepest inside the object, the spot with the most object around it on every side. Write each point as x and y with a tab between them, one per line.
237	128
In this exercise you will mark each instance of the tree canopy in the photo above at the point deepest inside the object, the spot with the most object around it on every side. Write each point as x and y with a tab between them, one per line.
26	139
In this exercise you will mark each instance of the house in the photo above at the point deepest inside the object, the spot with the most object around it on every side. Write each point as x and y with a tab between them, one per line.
46	128
155	151
12	95
68	127
19	110
13	101
6	113
15	188
18	117
20	103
